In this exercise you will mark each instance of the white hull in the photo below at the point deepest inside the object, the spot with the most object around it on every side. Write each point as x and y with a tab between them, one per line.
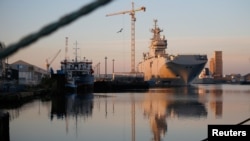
171	72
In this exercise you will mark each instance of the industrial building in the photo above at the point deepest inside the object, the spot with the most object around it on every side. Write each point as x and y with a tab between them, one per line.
28	74
216	65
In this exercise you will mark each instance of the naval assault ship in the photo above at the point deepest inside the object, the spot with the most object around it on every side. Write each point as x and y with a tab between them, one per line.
163	69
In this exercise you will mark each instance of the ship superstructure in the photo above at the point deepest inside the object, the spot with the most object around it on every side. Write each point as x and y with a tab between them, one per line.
162	68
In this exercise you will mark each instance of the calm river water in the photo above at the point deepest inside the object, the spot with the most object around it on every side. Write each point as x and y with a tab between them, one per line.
166	114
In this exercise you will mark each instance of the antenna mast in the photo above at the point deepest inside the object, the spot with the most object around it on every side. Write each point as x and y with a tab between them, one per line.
76	52
66	48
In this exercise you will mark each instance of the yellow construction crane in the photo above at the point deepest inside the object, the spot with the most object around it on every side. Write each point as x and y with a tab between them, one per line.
49	63
132	13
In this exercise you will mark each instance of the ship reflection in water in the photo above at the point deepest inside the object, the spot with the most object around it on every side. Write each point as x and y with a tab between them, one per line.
178	113
72	105
160	104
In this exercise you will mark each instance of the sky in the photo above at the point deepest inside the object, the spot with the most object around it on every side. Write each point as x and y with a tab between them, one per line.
190	26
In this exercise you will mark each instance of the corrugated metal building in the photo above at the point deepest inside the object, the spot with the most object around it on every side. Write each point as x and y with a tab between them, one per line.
28	74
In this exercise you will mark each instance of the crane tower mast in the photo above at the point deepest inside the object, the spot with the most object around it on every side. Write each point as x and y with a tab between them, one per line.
133	19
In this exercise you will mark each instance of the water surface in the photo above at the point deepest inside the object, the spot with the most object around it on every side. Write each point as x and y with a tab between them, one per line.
159	114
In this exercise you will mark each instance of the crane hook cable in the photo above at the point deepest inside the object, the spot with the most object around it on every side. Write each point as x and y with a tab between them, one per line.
50	28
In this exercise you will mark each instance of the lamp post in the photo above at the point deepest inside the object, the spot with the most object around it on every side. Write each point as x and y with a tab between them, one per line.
106	67
99	69
113	65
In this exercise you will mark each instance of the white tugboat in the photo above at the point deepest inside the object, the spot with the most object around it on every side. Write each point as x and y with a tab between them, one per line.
161	68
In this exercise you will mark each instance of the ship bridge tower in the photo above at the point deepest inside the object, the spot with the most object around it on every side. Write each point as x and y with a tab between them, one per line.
158	43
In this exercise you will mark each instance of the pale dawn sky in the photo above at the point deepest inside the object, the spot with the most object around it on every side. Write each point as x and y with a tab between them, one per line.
190	26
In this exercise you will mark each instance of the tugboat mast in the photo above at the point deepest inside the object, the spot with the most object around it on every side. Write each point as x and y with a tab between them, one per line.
66	48
76	52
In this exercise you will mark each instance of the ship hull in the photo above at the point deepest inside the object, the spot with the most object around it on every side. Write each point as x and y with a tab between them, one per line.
181	70
187	74
84	84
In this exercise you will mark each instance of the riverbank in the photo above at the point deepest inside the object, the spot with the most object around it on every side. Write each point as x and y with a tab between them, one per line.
16	98
12	93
